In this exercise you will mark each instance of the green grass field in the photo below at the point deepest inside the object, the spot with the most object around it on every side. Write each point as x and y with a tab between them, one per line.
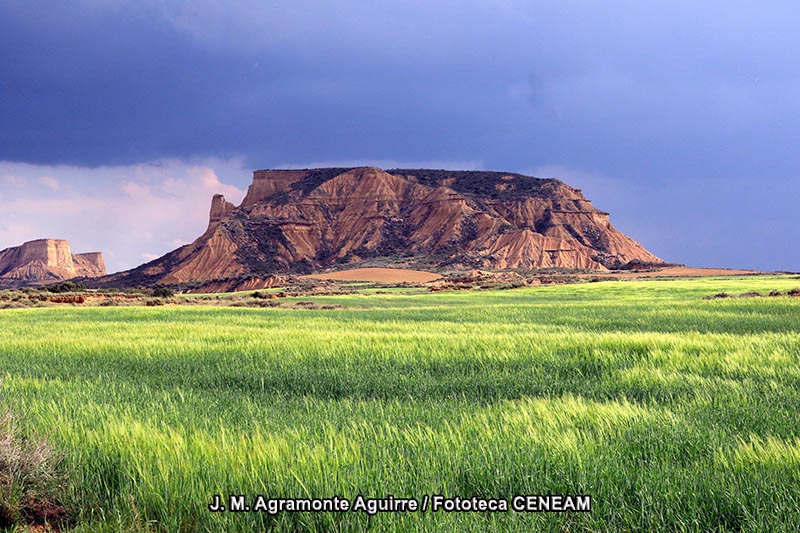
673	412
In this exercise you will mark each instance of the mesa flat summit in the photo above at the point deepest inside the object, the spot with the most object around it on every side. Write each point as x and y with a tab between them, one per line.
310	220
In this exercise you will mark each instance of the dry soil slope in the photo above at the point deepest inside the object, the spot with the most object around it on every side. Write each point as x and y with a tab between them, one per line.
379	275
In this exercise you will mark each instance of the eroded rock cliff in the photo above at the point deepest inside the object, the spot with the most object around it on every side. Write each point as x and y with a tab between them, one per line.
298	221
47	260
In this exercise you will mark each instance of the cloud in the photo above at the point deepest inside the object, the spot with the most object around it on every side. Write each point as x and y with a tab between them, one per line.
50	182
10	180
127	212
135	190
676	102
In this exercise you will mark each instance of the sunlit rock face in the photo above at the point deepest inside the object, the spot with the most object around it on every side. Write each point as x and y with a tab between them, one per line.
298	221
47	260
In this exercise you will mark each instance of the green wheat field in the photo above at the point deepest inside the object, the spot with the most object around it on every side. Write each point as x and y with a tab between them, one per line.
674	412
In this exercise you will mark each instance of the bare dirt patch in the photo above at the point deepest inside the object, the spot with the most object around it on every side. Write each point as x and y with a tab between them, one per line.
679	272
380	275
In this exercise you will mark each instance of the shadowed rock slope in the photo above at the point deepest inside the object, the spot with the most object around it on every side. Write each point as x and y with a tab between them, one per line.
47	261
299	221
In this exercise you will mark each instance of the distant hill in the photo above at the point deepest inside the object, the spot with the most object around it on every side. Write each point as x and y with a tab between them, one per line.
301	221
46	261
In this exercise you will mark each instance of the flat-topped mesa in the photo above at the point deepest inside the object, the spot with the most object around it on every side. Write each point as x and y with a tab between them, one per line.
89	264
304	220
54	253
269	182
47	260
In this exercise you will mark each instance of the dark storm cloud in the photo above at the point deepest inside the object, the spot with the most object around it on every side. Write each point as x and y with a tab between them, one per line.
691	106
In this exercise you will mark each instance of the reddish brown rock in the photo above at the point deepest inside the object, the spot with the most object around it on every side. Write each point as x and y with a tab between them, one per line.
89	264
220	208
298	221
46	261
244	284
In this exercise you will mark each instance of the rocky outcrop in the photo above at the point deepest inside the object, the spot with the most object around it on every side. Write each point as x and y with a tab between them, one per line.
89	264
45	261
241	284
298	221
220	208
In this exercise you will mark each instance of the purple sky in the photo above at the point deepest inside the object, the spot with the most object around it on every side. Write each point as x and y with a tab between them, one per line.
119	119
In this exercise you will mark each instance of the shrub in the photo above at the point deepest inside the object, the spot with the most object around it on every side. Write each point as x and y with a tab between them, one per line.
163	292
66	286
31	480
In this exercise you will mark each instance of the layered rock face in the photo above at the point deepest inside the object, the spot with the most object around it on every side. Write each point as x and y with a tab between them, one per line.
298	221
89	264
220	208
47	260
